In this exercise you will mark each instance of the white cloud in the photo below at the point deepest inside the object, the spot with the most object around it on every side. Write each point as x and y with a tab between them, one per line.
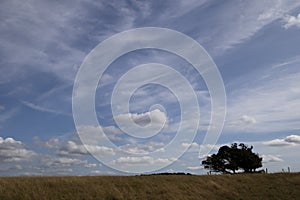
245	120
143	148
100	150
90	165
112	130
19	167
142	161
71	148
287	141
12	150
195	147
10	141
142	125
74	147
63	162
248	120
155	117
2	107
97	172
192	145
271	158
106	79
293	139
113	133
90	134
52	143
195	168
292	21
110	173
277	142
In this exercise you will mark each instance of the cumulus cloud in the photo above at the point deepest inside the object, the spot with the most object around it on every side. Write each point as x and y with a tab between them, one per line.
72	148
142	161
97	172
142	125
100	150
293	139
271	158
52	143
287	141
245	120
92	134
195	168
12	151
292	21
155	117
90	165
63	162
113	133
143	148
192	145
112	130
11	168
195	147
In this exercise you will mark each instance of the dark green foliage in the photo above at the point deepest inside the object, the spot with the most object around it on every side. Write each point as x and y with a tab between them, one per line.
234	158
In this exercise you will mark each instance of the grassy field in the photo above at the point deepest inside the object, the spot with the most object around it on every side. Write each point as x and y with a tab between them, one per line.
240	186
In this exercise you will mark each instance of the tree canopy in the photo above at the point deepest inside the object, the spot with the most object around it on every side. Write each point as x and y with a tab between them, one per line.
233	158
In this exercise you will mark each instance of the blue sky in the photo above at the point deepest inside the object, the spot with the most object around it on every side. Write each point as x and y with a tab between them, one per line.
254	44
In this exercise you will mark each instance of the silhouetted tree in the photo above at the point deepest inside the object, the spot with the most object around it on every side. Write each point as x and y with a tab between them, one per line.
233	158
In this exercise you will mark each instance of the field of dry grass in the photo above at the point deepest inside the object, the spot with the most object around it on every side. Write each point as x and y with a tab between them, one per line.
240	186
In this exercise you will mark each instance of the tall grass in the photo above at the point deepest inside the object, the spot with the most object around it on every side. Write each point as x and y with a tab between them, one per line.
240	186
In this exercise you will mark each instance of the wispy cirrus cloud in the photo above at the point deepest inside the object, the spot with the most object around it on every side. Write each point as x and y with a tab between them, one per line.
43	109
38	32
268	97
8	114
43	43
236	22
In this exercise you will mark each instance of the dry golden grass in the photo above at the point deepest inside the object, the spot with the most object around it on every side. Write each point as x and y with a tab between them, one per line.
240	186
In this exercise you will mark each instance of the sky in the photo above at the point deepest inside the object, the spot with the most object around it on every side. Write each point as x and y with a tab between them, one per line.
45	44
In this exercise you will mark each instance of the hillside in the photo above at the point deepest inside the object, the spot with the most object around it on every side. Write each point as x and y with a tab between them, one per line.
241	186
